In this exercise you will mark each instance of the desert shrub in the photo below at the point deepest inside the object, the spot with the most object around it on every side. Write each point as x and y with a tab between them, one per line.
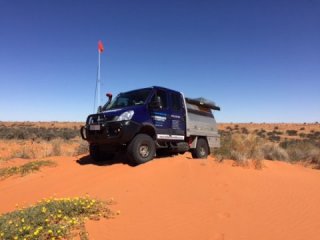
302	129
82	148
292	132
24	152
315	135
244	130
261	134
240	147
56	147
225	146
274	138
306	151
29	132
277	132
229	128
310	136
257	163
273	151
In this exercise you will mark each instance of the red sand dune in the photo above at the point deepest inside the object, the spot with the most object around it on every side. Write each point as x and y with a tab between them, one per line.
183	198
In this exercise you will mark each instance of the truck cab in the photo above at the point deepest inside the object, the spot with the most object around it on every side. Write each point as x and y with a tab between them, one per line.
150	121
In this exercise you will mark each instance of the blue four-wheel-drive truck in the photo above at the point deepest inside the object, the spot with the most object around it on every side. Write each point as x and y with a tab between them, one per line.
152	121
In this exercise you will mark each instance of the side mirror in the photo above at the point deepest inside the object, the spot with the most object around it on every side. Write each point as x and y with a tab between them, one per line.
156	104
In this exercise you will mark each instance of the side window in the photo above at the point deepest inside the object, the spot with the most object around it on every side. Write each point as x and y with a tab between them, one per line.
176	103
163	98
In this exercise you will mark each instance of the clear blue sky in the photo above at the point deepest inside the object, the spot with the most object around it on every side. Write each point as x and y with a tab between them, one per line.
259	60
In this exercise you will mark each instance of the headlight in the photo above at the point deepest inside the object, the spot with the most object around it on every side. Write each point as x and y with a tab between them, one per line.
125	116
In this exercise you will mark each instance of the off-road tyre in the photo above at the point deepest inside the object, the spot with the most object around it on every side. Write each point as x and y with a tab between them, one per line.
201	150
141	149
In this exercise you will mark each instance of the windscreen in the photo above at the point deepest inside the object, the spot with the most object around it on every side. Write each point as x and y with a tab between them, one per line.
136	97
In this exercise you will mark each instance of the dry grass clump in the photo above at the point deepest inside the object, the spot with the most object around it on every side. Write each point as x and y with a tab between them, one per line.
28	149
82	148
303	151
242	147
38	140
56	147
25	168
55	218
24	152
272	151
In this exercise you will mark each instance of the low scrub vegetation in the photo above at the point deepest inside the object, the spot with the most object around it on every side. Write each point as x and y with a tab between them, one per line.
242	147
25	168
28	149
82	148
55	218
40	140
32	133
306	151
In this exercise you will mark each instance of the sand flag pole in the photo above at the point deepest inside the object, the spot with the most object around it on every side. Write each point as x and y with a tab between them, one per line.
98	83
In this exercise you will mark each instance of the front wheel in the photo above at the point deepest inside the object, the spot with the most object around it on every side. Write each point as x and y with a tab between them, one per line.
141	149
201	150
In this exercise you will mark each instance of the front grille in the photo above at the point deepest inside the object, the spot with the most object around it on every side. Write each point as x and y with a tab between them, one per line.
106	130
99	118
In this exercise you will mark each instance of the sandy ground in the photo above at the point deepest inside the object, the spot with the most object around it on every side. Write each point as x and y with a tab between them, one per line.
183	198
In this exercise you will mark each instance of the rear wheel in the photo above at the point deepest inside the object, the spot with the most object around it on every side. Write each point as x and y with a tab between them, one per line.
141	149
201	150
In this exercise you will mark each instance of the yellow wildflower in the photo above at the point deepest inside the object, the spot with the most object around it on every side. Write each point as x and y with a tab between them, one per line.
43	209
